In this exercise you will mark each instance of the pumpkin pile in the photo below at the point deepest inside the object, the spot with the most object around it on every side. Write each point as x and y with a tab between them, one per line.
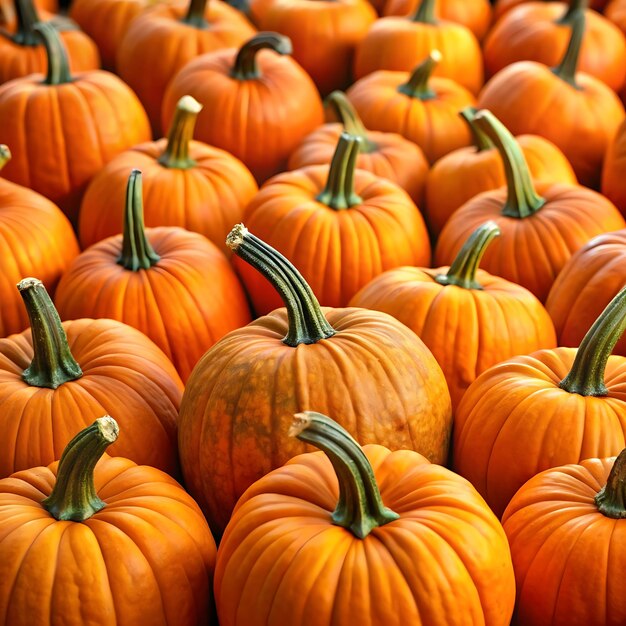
312	312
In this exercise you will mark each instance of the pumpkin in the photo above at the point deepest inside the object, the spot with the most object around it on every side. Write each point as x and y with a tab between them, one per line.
102	541
524	94
257	105
339	225
398	43
464	173
545	409
418	106
365	367
186	183
468	319
542	224
616	12
65	128
614	169
35	238
55	379
500	7
575	510
8	18
171	284
366	536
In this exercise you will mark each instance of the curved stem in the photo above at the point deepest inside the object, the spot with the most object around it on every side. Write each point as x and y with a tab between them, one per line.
360	508
611	499
481	141
137	253
350	119
425	12
5	155
417	85
587	374
339	192
195	14
462	272
74	495
27	18
53	363
58	64
307	323
245	67
570	13
566	69
522	200
176	153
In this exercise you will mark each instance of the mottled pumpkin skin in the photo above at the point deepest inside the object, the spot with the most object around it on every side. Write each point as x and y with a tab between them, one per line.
568	557
124	565
374	375
124	375
281	554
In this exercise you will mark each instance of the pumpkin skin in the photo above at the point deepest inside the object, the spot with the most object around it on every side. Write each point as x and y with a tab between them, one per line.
616	12
614	169
150	536
501	7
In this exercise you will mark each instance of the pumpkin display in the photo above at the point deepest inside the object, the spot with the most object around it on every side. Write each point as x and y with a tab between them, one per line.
545	409
542	224
466	172
102	541
56	378
258	103
339	225
468	319
614	169
385	154
364	519
416	105
365	367
186	183
575	510
64	128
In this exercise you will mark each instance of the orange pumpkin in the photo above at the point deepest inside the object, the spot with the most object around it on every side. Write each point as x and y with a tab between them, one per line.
367	536
501	7
8	18
57	378
370	370
616	12
257	105
186	183
102	544
614	169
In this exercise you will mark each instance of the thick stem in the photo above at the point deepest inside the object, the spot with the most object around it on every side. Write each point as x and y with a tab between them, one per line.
27	19
566	69
587	374
53	363
137	253
360	508
307	323
195	14
350	120
462	272
58	64
245	67
425	12
74	495
611	499
522	200
481	141
570	13
176	154
417	86
5	155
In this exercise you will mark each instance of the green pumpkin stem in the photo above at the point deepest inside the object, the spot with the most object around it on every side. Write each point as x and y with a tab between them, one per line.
74	494
27	18
176	153
425	12
566	69
481	141
462	272
5	155
611	499
587	374
522	199
58	64
53	363
307	323
418	84
349	118
245	67
570	13
137	253
195	14
360	508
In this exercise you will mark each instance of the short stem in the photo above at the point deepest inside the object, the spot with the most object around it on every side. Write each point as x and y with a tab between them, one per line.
425	12
5	155
74	494
195	14
58	64
176	154
481	141
570	13
53	363
307	323
350	120
611	499
587	374
522	199
462	272
566	69
137	253
417	86
360	508
245	67
27	18
339	191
